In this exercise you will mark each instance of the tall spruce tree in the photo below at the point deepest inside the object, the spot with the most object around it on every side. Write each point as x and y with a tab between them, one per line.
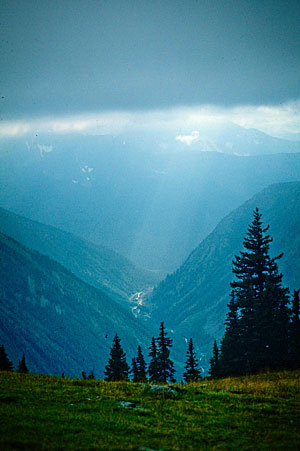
153	371
192	372
165	365
117	368
295	331
5	363
261	306
214	362
22	367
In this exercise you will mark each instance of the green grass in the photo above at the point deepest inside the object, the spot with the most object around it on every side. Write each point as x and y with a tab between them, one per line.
250	413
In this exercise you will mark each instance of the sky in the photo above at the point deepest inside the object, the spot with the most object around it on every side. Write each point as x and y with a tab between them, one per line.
78	61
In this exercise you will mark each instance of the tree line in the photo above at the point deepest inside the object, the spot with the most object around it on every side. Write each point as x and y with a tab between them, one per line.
262	325
160	368
7	365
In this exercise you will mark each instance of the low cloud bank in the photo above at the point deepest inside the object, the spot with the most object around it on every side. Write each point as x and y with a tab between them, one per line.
277	120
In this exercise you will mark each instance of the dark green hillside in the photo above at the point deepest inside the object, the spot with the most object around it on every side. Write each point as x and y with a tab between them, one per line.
251	413
56	319
195	297
96	265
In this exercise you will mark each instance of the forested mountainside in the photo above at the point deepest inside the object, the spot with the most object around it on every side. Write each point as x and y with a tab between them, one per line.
194	299
140	198
95	264
61	323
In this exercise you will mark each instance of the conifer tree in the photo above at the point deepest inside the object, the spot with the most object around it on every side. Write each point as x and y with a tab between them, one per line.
165	365
22	367
134	370
153	365
260	306
214	362
117	368
192	372
5	363
295	331
91	375
231	352
141	366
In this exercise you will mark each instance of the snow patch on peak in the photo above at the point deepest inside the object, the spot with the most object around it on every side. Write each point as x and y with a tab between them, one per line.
188	139
86	169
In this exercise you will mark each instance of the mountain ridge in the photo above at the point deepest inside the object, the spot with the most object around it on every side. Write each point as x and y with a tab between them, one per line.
95	264
194	298
137	199
61	323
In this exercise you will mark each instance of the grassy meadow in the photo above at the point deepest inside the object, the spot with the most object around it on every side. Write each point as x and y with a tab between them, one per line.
259	412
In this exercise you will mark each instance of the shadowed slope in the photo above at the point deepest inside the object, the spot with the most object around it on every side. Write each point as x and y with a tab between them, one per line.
96	265
61	323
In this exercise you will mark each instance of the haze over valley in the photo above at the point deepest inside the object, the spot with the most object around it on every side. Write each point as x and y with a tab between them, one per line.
136	140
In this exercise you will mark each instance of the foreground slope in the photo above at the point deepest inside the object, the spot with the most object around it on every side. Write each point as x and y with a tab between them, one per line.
255	413
193	300
95	264
61	323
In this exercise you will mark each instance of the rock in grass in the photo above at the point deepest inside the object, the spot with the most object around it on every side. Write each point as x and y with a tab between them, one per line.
132	406
127	404
162	389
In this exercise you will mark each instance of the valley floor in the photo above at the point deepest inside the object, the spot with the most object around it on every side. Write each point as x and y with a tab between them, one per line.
251	413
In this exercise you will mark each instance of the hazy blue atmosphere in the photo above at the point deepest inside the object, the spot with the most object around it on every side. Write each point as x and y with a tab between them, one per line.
136	139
